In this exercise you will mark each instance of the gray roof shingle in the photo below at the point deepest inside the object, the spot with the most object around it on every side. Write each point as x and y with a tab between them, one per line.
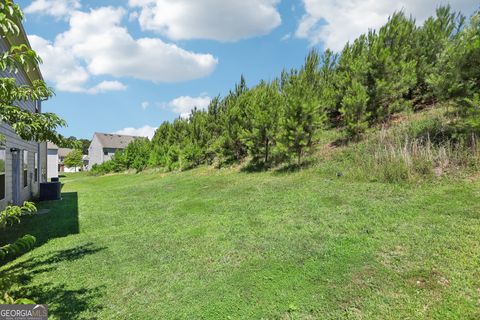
114	141
51	145
63	152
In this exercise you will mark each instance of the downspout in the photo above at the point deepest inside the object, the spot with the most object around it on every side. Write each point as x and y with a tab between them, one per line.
39	162
41	177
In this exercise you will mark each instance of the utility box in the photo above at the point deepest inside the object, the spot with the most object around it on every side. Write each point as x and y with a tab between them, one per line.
50	191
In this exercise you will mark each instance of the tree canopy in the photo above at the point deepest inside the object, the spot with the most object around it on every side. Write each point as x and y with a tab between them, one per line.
74	159
28	125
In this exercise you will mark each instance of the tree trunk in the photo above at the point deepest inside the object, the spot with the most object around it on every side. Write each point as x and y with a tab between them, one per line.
266	151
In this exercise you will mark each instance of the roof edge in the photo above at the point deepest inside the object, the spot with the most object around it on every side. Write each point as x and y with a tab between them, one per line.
21	38
118	134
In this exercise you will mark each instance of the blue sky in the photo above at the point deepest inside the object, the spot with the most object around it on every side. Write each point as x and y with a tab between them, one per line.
127	66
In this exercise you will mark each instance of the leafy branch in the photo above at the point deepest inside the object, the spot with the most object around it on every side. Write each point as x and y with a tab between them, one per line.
10	216
7	299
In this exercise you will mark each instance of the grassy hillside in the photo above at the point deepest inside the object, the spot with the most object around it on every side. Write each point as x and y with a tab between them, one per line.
223	244
411	147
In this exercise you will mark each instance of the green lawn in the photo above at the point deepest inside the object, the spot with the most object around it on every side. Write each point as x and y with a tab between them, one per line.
219	244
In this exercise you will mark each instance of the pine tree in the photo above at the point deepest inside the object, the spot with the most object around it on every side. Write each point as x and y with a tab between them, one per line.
329	96
432	38
354	108
392	72
302	111
352	82
456	77
231	146
263	110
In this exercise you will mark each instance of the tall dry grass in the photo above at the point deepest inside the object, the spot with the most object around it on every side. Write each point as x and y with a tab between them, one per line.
397	158
419	148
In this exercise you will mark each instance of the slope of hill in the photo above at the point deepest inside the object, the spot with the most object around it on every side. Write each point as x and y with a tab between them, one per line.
326	241
411	147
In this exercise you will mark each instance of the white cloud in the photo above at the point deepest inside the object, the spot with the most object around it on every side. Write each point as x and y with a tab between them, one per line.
334	22
286	37
60	65
62	68
133	16
185	104
105	86
96	44
145	105
208	19
109	49
145	131
55	8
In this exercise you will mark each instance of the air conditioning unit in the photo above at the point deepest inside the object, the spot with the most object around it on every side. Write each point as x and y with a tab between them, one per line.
50	191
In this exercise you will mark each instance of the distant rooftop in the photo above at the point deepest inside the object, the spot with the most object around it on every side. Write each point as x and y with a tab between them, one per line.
51	145
63	152
114	141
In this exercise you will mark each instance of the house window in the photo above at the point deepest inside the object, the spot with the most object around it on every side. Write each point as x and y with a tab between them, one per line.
2	172
105	152
36	167
25	168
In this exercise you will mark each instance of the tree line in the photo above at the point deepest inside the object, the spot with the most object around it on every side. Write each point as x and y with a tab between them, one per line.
401	66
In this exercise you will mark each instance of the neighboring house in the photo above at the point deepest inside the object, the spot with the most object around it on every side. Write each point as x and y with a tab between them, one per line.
56	158
104	146
62	153
52	161
23	164
85	162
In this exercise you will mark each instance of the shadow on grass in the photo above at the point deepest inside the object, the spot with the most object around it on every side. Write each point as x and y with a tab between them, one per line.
294	167
253	167
63	302
61	220
256	167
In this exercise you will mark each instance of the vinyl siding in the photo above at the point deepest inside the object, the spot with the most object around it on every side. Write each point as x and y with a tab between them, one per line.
52	160
12	140
95	153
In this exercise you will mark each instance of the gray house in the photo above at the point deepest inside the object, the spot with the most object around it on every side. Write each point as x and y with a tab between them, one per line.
56	161
22	163
62	154
104	146
52	160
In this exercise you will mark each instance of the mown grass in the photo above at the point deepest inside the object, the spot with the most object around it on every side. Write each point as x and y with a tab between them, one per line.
222	244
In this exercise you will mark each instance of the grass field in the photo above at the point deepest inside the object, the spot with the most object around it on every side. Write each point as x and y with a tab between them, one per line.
220	244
